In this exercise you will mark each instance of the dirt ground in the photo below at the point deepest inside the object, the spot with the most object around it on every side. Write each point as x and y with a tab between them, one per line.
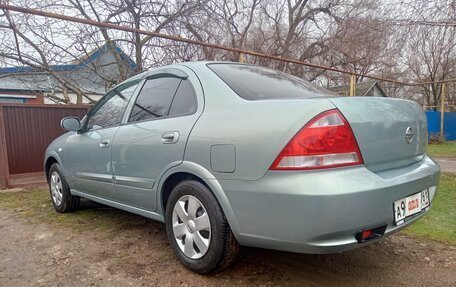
137	253
447	164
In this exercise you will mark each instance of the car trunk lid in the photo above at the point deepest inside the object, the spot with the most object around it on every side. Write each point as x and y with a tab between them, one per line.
390	132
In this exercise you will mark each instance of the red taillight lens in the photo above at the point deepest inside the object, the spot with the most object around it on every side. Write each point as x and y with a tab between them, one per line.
326	141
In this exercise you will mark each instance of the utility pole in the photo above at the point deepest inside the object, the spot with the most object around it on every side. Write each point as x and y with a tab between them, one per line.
241	57
442	111
352	85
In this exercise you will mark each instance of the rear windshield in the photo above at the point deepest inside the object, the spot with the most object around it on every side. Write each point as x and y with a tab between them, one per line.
259	83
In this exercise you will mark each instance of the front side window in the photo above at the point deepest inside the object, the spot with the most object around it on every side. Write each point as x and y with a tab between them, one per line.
155	99
111	108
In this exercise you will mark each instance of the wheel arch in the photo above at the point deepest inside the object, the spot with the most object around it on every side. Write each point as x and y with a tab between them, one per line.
190	170
50	160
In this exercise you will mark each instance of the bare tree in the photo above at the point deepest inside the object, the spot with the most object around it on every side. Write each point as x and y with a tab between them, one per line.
29	47
405	40
155	16
430	50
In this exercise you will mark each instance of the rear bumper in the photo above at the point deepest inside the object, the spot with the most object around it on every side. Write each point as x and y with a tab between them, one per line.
321	211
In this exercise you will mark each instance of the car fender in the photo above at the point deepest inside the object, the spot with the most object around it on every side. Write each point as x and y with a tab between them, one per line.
56	156
208	178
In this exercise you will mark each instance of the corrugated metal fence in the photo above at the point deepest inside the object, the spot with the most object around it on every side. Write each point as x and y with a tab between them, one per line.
449	124
25	132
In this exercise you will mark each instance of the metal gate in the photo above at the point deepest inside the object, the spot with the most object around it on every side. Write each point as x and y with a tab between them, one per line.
25	133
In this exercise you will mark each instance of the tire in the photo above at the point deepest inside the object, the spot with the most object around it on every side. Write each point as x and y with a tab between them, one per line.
61	198
221	248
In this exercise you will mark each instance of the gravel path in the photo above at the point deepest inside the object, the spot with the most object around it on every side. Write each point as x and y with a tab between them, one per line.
447	164
138	254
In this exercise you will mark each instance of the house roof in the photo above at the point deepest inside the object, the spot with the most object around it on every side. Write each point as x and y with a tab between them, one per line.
79	73
85	61
361	89
17	96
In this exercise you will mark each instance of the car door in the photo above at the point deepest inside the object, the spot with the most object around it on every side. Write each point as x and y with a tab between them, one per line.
154	138
88	152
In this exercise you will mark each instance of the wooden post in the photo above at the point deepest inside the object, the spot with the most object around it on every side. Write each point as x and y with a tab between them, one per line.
4	169
241	57
352	85
442	111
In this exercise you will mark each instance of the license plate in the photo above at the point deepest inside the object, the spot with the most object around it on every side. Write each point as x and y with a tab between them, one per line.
409	206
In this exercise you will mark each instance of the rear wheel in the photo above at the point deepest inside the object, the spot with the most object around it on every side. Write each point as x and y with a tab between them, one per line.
198	230
62	200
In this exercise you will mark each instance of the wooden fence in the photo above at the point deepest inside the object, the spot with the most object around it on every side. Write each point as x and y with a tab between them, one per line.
25	133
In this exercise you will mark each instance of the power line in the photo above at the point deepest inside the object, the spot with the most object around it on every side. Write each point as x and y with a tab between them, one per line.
201	43
407	22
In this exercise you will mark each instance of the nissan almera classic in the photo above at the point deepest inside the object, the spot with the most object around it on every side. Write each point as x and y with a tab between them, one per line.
228	154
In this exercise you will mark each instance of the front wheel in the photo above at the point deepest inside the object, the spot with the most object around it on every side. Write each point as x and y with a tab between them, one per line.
198	230
62	200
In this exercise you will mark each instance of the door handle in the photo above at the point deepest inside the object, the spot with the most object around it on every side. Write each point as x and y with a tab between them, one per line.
104	143
170	137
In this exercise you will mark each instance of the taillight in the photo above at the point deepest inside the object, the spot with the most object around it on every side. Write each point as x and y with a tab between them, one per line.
326	141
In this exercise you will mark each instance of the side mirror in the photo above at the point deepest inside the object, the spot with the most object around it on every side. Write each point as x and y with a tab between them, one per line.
72	124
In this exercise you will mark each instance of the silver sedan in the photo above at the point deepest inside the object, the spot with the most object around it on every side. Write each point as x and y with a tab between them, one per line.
229	154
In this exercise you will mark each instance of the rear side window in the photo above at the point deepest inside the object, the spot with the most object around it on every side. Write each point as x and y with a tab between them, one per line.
184	102
155	99
259	83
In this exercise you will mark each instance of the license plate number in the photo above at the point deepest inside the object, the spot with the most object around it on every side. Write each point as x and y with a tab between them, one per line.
408	206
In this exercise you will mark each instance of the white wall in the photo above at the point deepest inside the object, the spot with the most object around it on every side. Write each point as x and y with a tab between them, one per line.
72	97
